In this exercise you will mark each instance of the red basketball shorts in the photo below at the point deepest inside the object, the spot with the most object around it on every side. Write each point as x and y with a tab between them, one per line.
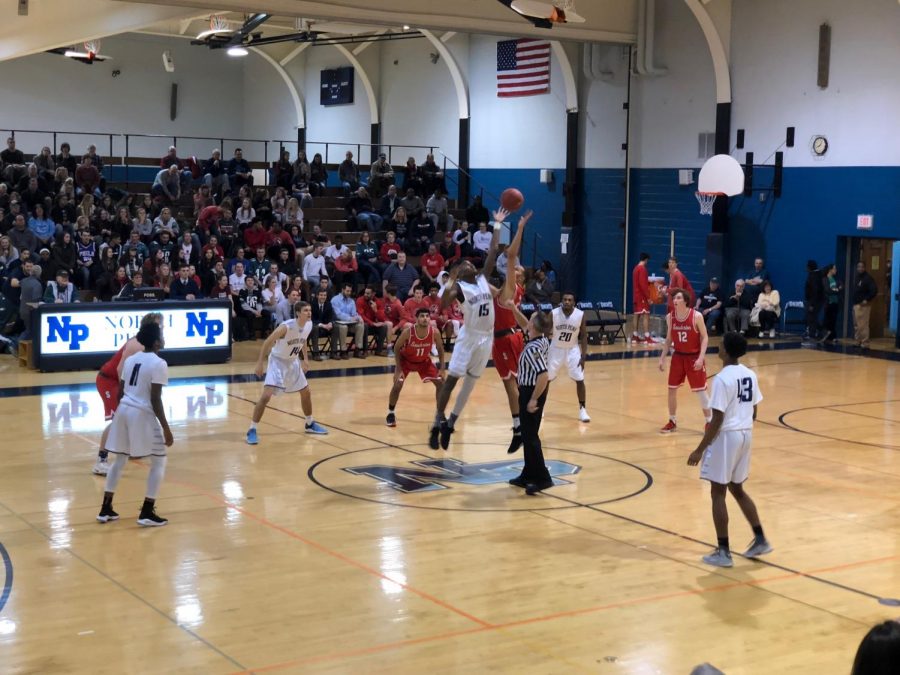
506	352
426	369
682	368
108	388
641	306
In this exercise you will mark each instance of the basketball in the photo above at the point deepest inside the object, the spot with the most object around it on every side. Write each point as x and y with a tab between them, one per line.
512	199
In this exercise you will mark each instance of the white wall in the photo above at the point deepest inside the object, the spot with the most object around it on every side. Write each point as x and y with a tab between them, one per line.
346	123
669	112
46	91
268	110
418	100
527	132
603	120
774	56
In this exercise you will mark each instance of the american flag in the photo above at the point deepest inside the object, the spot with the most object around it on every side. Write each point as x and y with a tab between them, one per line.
523	67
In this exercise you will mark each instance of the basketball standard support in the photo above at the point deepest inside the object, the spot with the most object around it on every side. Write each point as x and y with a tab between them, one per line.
723	140
462	195
375	140
301	139
570	233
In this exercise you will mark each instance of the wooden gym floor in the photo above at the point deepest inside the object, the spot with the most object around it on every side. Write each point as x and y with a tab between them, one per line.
279	558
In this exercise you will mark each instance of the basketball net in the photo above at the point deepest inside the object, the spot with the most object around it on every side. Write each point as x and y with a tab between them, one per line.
706	200
218	23
92	48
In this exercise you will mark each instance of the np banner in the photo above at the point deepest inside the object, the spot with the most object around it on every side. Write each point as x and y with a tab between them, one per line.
83	336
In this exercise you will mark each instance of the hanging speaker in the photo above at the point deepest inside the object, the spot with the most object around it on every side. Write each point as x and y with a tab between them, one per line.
789	137
173	102
740	139
824	55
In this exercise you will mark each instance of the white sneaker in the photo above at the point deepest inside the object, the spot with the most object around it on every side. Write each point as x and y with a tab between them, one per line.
583	415
719	558
772	333
101	467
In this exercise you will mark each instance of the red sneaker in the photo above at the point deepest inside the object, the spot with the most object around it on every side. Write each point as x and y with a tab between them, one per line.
669	428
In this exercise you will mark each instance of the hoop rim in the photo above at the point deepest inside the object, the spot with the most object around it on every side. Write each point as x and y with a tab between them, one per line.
704	193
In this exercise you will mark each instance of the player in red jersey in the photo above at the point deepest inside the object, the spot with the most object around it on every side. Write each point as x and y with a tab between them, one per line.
640	294
108	387
677	281
508	340
412	352
687	332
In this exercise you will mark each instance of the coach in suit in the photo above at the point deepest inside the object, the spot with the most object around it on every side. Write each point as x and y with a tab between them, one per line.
323	325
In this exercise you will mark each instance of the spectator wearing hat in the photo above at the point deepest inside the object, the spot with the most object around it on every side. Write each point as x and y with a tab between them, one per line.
709	304
60	290
381	176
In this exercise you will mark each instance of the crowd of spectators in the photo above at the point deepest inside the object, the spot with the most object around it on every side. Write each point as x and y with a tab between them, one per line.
205	230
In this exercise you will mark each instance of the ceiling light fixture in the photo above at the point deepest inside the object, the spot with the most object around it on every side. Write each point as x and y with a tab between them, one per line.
406	26
237	50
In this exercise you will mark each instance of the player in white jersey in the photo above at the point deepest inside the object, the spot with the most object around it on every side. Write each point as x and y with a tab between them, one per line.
725	448
139	427
472	350
569	346
285	374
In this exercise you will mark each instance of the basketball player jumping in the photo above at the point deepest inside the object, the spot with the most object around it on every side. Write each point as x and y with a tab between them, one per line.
725	448
509	342
108	387
686	330
412	352
139	427
285	347
473	347
569	346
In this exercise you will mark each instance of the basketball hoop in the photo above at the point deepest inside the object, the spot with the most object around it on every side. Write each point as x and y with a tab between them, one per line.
706	200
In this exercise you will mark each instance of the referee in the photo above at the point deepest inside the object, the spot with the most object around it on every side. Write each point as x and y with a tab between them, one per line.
533	382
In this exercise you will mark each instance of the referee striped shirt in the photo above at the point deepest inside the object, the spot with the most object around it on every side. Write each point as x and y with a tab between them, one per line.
533	361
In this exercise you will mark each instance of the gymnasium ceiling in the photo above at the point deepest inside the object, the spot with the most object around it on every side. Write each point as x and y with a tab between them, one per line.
58	23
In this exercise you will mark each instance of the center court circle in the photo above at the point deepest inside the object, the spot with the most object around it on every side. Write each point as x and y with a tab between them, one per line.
407	477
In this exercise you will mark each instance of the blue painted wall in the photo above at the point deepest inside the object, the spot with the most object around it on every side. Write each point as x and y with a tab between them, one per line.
601	218
817	206
546	201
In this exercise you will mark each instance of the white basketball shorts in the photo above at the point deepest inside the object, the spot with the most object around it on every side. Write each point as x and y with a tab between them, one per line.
571	357
471	354
135	432
727	460
286	376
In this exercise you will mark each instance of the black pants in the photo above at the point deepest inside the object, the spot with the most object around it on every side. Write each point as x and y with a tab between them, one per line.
535	471
767	319
812	320
831	315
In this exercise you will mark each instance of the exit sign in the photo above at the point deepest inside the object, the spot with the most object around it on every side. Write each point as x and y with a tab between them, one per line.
864	221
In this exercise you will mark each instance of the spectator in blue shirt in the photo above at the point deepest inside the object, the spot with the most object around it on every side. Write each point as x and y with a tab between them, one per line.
239	173
44	228
403	275
755	279
347	317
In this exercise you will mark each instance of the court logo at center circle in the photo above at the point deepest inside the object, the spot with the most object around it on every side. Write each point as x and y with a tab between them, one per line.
435	474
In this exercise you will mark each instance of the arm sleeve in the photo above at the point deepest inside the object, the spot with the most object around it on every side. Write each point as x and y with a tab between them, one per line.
160	373
718	399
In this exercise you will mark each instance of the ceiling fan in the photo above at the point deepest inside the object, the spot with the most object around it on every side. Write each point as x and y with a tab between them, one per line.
543	13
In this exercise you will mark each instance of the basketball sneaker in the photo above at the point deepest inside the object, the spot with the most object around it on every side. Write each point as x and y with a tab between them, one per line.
433	437
534	488
315	428
101	467
446	432
757	548
518	482
515	443
151	519
252	438
583	415
669	428
636	339
719	558
391	420
107	514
